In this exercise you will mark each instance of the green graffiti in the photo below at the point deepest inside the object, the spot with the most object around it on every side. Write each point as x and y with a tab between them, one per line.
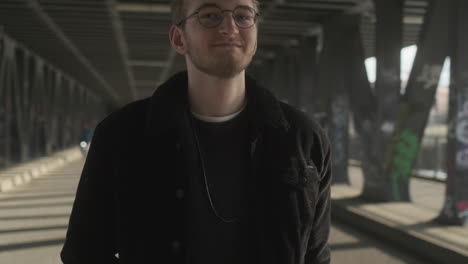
405	153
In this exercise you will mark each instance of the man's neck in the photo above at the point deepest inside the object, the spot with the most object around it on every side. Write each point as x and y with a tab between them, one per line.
215	97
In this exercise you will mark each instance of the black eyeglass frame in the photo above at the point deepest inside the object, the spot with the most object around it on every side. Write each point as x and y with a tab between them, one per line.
221	21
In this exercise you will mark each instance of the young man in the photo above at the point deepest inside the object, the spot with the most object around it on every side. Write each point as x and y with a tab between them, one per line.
211	168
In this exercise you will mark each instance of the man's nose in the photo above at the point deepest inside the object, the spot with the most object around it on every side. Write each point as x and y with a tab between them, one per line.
228	25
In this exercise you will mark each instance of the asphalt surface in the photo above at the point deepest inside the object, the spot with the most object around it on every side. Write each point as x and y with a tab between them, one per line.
351	246
34	218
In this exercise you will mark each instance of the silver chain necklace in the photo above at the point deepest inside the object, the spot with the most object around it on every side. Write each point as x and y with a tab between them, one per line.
203	168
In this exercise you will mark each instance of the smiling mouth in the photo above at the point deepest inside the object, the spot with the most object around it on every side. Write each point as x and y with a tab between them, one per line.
228	45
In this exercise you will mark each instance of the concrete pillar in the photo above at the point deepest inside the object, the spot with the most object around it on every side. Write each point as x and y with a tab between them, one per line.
292	76
308	67
413	111
279	77
455	210
389	28
5	102
389	31
332	79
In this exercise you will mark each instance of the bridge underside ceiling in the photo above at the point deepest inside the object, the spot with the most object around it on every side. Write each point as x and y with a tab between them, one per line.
120	49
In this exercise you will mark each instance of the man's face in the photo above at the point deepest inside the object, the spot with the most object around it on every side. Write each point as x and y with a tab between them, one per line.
223	51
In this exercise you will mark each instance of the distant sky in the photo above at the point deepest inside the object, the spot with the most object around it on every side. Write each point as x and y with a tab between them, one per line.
407	58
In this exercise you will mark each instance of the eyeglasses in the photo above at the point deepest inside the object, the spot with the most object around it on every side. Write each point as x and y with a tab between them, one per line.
212	16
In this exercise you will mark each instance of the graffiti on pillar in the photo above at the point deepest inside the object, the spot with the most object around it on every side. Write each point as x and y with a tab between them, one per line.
461	134
448	205
340	120
339	137
461	162
462	209
430	75
405	153
462	159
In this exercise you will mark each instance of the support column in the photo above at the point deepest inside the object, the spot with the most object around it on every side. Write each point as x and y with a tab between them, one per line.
292	76
279	77
38	83
307	75
389	31
332	78
8	83
32	96
413	111
22	104
364	108
5	104
455	210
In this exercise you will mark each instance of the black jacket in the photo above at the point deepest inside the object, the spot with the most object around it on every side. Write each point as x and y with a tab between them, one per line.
129	201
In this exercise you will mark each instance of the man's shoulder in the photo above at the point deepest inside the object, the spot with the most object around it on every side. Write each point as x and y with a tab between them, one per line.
128	116
307	130
300	120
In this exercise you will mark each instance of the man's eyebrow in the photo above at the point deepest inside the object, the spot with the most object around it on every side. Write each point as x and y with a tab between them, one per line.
245	6
207	5
215	5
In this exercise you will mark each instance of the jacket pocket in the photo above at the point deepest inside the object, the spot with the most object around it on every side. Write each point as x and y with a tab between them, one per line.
297	192
302	176
300	173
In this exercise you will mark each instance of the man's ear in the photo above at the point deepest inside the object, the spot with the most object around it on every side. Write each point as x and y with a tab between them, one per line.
177	40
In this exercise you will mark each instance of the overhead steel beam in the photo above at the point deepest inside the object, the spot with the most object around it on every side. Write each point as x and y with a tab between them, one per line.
363	7
320	6
146	83
416	20
148	63
36	7
143	8
415	3
122	44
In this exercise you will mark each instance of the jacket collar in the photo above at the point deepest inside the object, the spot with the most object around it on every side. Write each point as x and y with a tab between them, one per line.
169	105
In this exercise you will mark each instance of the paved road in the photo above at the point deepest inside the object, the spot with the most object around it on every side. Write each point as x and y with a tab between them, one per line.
350	246
34	218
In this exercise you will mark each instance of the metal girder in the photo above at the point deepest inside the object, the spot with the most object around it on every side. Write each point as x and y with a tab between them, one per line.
36	7
38	107
455	209
413	111
143	8
122	44
333	84
363	7
389	26
145	63
319	6
5	105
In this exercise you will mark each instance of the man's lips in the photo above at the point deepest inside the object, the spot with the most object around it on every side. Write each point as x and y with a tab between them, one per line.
228	44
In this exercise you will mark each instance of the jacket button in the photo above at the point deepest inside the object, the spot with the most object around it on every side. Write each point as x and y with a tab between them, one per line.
180	193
